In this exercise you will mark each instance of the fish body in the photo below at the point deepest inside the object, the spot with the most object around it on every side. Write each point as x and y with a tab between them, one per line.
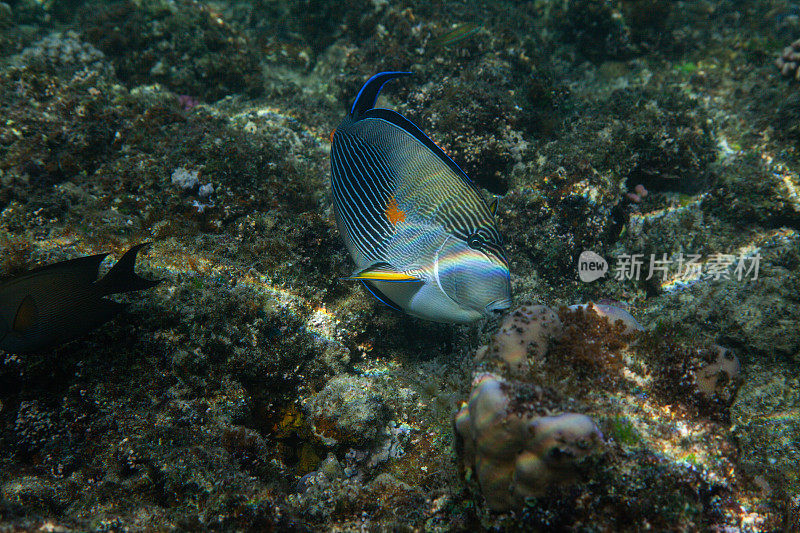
459	33
57	303
422	236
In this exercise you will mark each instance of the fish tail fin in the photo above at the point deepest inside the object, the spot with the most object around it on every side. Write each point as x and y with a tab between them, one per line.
368	95
122	278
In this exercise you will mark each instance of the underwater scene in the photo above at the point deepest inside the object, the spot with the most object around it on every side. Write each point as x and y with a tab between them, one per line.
399	265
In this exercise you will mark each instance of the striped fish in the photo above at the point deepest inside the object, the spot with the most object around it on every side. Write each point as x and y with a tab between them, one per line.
423	239
461	32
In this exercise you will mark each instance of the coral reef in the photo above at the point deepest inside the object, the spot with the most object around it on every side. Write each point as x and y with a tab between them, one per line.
214	401
559	423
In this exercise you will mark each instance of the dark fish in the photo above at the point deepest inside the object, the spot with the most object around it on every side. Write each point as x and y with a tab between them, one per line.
55	304
422	236
461	32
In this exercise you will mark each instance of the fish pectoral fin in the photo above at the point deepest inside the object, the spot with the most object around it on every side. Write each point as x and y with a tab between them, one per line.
383	272
26	315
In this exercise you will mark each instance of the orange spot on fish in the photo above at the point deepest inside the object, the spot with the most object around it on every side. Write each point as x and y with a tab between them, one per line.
332	134
393	213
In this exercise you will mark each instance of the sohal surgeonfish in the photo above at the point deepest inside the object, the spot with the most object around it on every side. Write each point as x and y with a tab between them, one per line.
57	303
422	236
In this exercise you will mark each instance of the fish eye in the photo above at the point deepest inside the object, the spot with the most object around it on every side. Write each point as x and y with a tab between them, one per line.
475	241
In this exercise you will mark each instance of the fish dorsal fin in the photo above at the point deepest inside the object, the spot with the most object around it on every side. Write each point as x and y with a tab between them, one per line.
26	315
384	272
122	278
494	205
368	95
384	154
85	268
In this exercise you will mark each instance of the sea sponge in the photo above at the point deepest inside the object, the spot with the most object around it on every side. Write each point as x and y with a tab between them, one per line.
516	453
528	328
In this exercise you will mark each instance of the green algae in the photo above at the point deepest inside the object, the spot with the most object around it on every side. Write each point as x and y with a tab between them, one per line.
623	431
686	68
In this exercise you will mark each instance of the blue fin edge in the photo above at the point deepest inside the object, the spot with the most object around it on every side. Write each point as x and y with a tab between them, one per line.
375	292
368	95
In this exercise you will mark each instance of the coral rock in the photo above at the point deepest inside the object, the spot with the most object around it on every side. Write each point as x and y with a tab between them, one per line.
527	328
789	60
517	454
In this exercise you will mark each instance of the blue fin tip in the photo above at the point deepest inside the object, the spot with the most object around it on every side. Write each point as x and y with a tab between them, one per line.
368	95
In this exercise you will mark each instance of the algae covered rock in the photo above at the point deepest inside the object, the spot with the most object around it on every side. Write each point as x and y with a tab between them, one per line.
767	425
349	410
